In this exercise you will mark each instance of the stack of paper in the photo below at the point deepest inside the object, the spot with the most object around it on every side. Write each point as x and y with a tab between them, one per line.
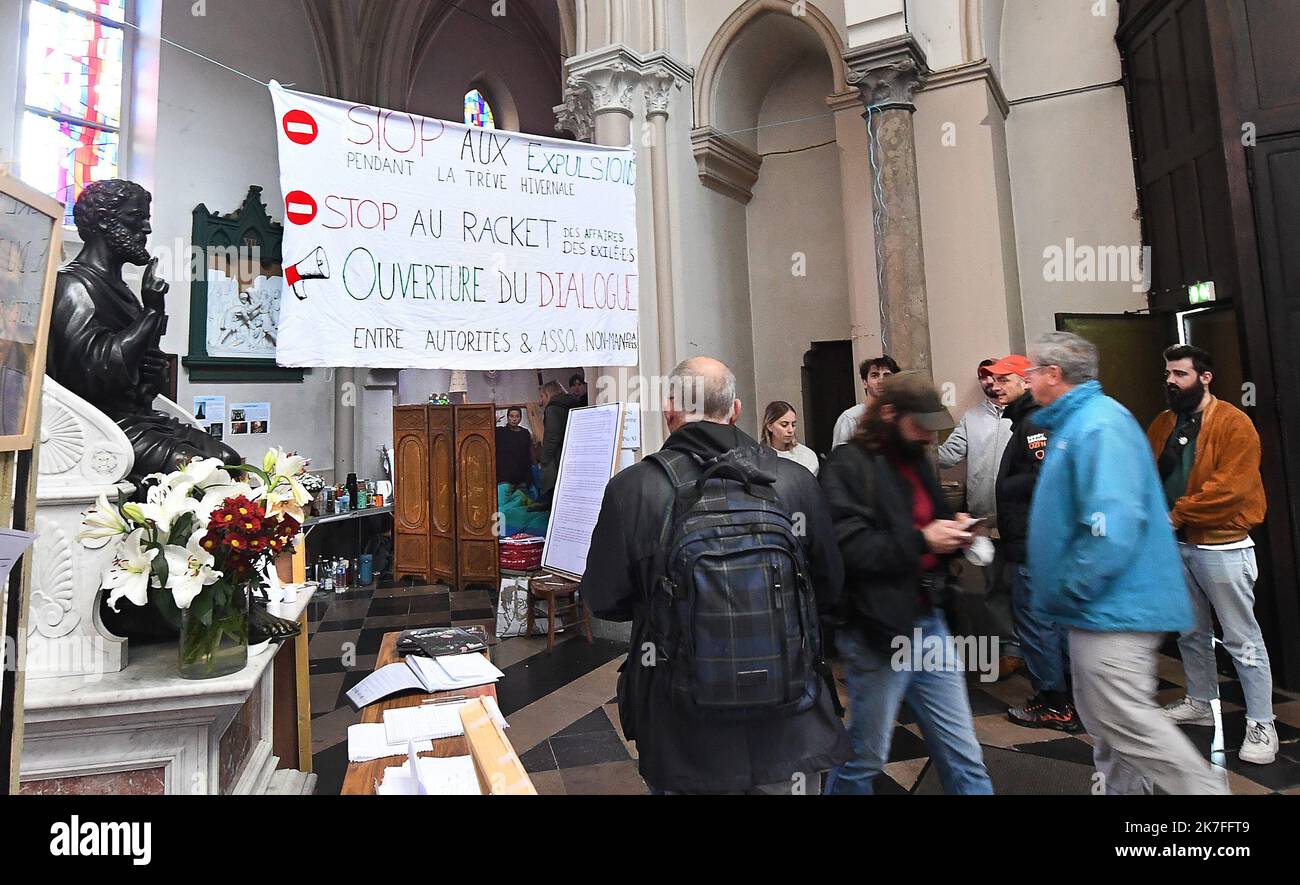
450	672
431	721
368	741
449	776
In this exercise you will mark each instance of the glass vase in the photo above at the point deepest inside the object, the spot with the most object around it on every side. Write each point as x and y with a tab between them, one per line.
214	632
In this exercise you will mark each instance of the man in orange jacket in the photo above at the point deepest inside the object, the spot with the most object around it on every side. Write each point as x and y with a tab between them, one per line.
1208	454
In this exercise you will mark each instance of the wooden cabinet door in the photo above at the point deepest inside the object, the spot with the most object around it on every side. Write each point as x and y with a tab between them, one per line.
442	485
410	492
476	494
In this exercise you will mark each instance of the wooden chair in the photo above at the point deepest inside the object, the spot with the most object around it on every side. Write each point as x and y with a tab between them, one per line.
562	598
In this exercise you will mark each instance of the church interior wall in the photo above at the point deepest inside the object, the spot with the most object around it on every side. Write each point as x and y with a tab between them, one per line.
797	272
465	51
1070	156
937	27
972	286
872	20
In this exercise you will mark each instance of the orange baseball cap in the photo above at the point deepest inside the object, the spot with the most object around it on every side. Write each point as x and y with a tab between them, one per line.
1015	364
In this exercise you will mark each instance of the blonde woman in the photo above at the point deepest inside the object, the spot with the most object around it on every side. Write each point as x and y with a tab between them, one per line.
779	426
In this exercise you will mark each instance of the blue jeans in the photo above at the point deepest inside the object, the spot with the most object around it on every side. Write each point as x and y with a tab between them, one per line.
1046	645
878	685
1222	582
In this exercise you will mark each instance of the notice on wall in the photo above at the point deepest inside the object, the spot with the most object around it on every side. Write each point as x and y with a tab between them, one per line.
411	242
591	446
250	418
210	411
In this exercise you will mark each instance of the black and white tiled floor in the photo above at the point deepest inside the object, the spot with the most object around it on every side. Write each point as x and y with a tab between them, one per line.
564	722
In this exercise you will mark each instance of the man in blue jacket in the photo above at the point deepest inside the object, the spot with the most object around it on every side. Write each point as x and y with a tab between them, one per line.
1104	563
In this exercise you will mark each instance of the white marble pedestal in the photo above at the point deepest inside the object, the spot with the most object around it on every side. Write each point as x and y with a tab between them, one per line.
146	730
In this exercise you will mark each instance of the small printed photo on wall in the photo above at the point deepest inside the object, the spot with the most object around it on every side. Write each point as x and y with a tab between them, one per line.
238	427
217	430
258	427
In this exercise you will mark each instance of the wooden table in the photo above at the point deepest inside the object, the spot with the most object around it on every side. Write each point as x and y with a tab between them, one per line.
361	776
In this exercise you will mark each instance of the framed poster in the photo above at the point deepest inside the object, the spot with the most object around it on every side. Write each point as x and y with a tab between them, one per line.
588	460
30	225
235	295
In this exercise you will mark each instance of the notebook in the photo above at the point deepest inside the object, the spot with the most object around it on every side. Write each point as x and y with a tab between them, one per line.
429	722
416	672
368	741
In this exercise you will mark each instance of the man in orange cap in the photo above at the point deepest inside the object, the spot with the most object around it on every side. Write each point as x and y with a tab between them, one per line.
979	439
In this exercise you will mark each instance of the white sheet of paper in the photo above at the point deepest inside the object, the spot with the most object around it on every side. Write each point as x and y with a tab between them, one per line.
446	776
383	682
368	741
586	465
449	776
13	543
426	722
450	672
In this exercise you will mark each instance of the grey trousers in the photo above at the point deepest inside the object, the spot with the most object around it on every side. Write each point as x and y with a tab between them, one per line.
1135	743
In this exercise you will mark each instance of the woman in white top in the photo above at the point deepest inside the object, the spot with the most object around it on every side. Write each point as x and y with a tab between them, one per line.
779	424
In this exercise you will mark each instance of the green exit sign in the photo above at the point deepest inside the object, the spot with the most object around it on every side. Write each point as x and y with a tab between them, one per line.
1200	293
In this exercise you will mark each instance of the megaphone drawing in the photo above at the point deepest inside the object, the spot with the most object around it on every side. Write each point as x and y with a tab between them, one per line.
313	267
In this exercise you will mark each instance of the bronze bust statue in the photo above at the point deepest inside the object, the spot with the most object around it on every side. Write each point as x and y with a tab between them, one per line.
104	347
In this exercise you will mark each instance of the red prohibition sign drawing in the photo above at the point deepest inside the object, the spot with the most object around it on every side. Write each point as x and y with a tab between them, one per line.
300	127
299	207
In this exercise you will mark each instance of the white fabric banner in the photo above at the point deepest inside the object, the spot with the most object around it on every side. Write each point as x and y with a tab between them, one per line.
411	242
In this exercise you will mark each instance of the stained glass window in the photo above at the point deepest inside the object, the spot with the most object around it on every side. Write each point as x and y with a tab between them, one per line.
477	110
71	127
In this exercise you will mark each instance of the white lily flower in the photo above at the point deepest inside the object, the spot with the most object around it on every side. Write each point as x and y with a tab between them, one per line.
102	523
281	498
200	473
163	505
189	570
278	462
130	572
204	473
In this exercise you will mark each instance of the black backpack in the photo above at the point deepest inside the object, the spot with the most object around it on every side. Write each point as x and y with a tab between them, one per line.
732	618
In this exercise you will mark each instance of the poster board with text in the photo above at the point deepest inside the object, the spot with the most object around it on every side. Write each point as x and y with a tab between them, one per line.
588	460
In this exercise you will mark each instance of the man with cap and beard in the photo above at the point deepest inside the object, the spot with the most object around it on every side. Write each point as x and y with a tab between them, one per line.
1208	454
897	535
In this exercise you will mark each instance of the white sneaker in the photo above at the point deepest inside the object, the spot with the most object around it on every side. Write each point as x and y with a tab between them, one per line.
1261	743
1190	712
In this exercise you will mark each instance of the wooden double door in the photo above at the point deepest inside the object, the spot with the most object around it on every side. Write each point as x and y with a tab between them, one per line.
445	497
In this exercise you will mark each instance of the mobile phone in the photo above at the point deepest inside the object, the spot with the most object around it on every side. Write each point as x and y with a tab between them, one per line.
972	523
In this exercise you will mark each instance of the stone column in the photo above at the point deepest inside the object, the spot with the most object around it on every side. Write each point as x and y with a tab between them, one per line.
658	84
345	423
610	76
600	89
887	74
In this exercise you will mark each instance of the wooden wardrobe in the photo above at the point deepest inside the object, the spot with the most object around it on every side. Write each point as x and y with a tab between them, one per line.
445	494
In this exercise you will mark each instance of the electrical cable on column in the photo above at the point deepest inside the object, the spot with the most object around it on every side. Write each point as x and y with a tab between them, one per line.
879	215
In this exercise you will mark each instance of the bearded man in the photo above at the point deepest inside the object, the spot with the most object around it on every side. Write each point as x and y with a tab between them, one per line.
1208	454
104	342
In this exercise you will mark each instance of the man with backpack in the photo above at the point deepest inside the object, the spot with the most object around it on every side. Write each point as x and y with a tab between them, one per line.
720	554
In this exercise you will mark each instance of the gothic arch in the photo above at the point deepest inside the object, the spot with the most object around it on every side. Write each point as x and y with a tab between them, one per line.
711	64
